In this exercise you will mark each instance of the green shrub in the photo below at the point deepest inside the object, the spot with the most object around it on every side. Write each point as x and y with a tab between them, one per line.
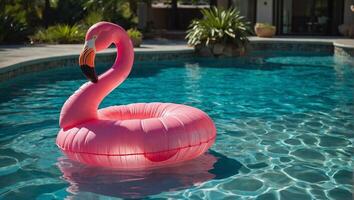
116	11
19	19
13	25
92	18
62	34
134	33
219	26
136	36
12	31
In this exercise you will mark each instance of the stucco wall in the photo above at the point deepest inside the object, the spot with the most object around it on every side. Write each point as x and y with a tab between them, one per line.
246	8
265	11
348	14
241	5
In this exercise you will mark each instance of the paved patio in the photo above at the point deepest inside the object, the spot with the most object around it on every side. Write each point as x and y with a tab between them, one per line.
10	55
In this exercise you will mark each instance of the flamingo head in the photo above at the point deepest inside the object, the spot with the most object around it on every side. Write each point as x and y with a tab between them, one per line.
98	38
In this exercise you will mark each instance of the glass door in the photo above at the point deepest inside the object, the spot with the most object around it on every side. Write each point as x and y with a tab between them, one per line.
306	17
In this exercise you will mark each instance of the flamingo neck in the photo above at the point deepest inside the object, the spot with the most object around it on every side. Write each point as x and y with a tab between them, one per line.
82	106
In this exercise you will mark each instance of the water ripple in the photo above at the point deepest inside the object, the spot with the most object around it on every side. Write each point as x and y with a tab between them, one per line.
285	131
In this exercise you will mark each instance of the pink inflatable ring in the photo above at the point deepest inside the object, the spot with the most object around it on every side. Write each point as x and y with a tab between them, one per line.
134	136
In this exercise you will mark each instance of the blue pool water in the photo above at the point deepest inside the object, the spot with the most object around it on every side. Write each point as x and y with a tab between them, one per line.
284	131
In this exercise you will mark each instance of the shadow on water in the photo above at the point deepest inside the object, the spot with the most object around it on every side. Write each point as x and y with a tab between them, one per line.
140	184
24	84
152	68
21	85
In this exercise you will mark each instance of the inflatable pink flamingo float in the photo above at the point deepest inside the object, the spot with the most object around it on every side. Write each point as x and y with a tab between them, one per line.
135	136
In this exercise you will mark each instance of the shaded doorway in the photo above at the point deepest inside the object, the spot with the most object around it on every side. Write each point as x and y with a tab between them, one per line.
308	17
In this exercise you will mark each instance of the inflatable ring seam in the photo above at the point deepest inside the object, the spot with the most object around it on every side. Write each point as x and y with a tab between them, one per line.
144	153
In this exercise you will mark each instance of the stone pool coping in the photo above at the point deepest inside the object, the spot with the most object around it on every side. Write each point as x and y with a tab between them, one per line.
338	46
344	48
21	54
17	60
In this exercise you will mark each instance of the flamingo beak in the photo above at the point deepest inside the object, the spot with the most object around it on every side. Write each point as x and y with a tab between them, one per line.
87	61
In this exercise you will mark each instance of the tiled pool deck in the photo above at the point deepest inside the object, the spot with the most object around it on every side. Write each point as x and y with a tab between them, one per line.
10	55
337	46
15	60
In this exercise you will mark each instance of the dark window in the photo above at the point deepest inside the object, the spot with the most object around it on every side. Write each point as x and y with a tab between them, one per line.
309	17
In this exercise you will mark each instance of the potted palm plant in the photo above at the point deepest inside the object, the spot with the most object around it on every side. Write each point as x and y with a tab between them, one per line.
220	33
264	30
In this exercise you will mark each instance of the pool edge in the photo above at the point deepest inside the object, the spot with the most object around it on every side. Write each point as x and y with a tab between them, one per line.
335	48
54	62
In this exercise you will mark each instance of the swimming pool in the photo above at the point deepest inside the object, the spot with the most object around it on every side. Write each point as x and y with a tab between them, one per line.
284	121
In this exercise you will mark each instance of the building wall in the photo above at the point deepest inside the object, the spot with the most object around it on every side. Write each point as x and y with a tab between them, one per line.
348	14
287	15
265	11
246	8
161	18
241	5
222	4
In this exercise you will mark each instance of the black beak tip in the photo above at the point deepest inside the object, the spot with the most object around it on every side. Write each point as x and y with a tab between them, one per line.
90	73
94	80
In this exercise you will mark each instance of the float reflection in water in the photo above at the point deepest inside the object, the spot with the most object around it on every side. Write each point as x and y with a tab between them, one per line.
138	184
